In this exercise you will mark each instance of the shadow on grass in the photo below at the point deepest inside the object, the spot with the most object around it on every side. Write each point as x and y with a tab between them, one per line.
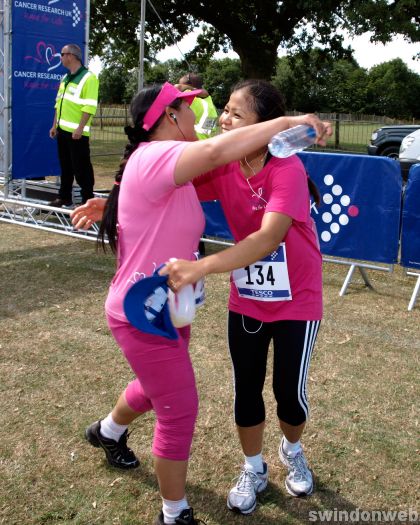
275	506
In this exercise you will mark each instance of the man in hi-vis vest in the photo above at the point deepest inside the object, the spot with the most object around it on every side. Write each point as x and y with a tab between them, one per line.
76	103
206	117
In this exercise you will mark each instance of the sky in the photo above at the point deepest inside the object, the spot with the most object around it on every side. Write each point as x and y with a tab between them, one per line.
366	53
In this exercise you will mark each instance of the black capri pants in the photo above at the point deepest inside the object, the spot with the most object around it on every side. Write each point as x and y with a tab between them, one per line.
293	343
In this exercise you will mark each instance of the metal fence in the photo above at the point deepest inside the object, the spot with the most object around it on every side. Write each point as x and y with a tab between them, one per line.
352	132
107	131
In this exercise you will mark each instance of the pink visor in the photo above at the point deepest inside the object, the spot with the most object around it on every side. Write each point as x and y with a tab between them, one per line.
167	95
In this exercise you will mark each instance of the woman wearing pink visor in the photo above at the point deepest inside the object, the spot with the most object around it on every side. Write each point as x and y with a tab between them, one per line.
153	214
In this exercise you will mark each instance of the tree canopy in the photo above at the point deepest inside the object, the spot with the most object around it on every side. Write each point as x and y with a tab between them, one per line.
341	86
253	29
309	82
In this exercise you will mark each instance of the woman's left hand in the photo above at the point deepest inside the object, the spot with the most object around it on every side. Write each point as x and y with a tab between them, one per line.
85	215
327	132
323	128
181	272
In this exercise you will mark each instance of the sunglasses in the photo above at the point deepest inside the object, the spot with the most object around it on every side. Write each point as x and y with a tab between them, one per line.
62	54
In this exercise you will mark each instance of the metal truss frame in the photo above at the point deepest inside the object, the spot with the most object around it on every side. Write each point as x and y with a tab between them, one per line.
32	214
5	94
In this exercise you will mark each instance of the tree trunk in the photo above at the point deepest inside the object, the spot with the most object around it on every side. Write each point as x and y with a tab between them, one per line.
257	61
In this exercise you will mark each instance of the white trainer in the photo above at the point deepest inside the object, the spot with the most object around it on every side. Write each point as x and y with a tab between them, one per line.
243	497
299	481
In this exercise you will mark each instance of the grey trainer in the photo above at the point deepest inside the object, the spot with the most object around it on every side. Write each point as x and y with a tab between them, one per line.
299	481
243	497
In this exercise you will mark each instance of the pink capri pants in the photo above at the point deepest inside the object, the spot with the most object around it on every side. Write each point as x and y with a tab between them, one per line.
164	383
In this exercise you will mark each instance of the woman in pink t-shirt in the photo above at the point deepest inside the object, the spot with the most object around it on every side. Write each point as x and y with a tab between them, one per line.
151	215
266	202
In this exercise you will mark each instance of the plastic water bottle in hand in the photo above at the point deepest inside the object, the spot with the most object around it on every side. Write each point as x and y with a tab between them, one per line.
292	140
182	304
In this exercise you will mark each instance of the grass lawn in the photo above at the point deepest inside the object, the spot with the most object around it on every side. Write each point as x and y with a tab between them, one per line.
61	369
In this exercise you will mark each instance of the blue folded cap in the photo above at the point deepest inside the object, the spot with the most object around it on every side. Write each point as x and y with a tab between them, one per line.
146	306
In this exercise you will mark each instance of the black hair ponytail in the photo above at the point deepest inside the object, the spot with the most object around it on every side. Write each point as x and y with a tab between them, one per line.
108	227
313	190
136	134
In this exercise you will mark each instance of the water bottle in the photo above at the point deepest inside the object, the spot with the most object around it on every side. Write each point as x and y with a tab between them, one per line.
182	306
292	140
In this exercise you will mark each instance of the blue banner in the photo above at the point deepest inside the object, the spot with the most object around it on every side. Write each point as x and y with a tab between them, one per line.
410	232
40	29
216	225
361	204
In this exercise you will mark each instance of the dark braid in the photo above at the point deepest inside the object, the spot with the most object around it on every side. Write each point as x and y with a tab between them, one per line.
314	191
268	103
136	134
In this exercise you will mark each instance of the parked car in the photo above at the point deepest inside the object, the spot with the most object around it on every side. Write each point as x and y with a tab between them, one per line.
387	140
409	152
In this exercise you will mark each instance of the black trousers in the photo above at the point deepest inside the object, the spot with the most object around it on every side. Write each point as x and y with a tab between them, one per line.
293	342
74	156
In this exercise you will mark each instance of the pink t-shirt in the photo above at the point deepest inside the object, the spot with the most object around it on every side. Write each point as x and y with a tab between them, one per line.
157	219
281	186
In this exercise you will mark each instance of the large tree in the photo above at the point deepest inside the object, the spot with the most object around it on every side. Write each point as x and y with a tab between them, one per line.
393	90
316	81
253	29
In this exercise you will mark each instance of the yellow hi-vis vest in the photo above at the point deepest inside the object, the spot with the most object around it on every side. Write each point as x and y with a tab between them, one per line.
77	94
205	117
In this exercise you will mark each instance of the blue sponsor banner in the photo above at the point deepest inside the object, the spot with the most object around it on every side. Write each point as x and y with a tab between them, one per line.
40	29
410	232
361	204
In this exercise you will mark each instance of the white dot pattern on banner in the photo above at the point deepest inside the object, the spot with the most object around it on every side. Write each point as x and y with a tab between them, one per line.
327	198
76	15
345	200
336	209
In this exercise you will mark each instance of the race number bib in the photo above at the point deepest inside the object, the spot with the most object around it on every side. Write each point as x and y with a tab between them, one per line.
265	280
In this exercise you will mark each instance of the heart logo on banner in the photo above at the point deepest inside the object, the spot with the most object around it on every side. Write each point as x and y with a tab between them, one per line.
53	59
45	54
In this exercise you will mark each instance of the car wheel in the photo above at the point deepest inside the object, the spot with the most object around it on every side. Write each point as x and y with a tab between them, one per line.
391	152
